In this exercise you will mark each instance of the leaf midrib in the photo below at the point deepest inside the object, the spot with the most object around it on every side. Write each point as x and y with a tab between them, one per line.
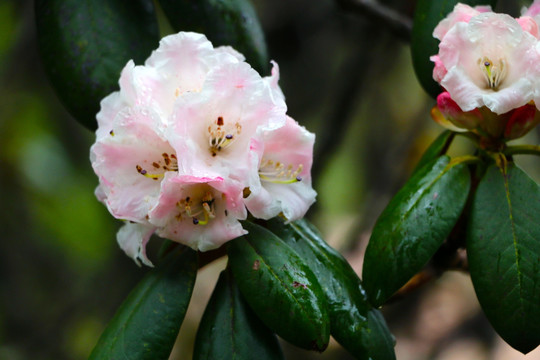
504	172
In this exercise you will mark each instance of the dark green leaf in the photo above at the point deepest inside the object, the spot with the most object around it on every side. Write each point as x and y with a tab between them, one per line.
427	15
230	330
378	339
224	22
353	323
147	323
503	247
85	44
437	148
280	288
413	226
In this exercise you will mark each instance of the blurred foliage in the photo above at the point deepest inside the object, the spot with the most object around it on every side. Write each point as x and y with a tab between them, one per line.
62	275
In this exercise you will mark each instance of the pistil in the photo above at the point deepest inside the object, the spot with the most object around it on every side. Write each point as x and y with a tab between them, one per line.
494	73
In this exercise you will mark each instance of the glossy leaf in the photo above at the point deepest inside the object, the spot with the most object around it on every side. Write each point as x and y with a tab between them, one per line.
280	288
503	247
438	147
85	44
353	323
427	15
230	330
224	22
147	323
413	226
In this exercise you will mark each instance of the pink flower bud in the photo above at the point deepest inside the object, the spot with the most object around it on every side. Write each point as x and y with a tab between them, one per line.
451	112
521	121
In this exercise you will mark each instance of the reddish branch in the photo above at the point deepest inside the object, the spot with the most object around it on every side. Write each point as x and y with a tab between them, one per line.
398	24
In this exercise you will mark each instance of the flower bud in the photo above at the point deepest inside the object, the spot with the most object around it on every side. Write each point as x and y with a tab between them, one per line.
521	121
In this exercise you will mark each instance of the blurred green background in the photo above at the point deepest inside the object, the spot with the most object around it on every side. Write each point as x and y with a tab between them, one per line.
346	77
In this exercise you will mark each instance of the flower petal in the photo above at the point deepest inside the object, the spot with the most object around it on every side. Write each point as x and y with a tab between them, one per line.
132	238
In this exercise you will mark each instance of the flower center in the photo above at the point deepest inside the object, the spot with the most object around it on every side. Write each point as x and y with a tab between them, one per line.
200	212
279	173
494	73
168	162
221	136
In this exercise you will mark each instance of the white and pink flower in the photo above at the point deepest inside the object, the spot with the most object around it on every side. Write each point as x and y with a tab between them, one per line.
192	138
487	59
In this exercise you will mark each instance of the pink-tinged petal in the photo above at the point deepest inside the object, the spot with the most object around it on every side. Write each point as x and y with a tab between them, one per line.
110	108
528	24
130	164
284	183
273	80
132	238
463	90
186	58
182	217
509	98
533	10
461	13
100	194
439	71
151	90
295	200
260	202
129	93
228	50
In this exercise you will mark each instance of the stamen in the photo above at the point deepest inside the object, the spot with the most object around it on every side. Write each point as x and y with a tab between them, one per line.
168	163
494	74
278	173
221	135
201	212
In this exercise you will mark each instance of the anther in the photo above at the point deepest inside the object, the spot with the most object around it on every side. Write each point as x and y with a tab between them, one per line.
159	165
280	173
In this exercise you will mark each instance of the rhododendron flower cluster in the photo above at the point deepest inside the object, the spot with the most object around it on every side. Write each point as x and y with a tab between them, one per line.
194	140
489	67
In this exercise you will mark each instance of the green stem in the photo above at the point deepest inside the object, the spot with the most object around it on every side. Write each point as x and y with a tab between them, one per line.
522	150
